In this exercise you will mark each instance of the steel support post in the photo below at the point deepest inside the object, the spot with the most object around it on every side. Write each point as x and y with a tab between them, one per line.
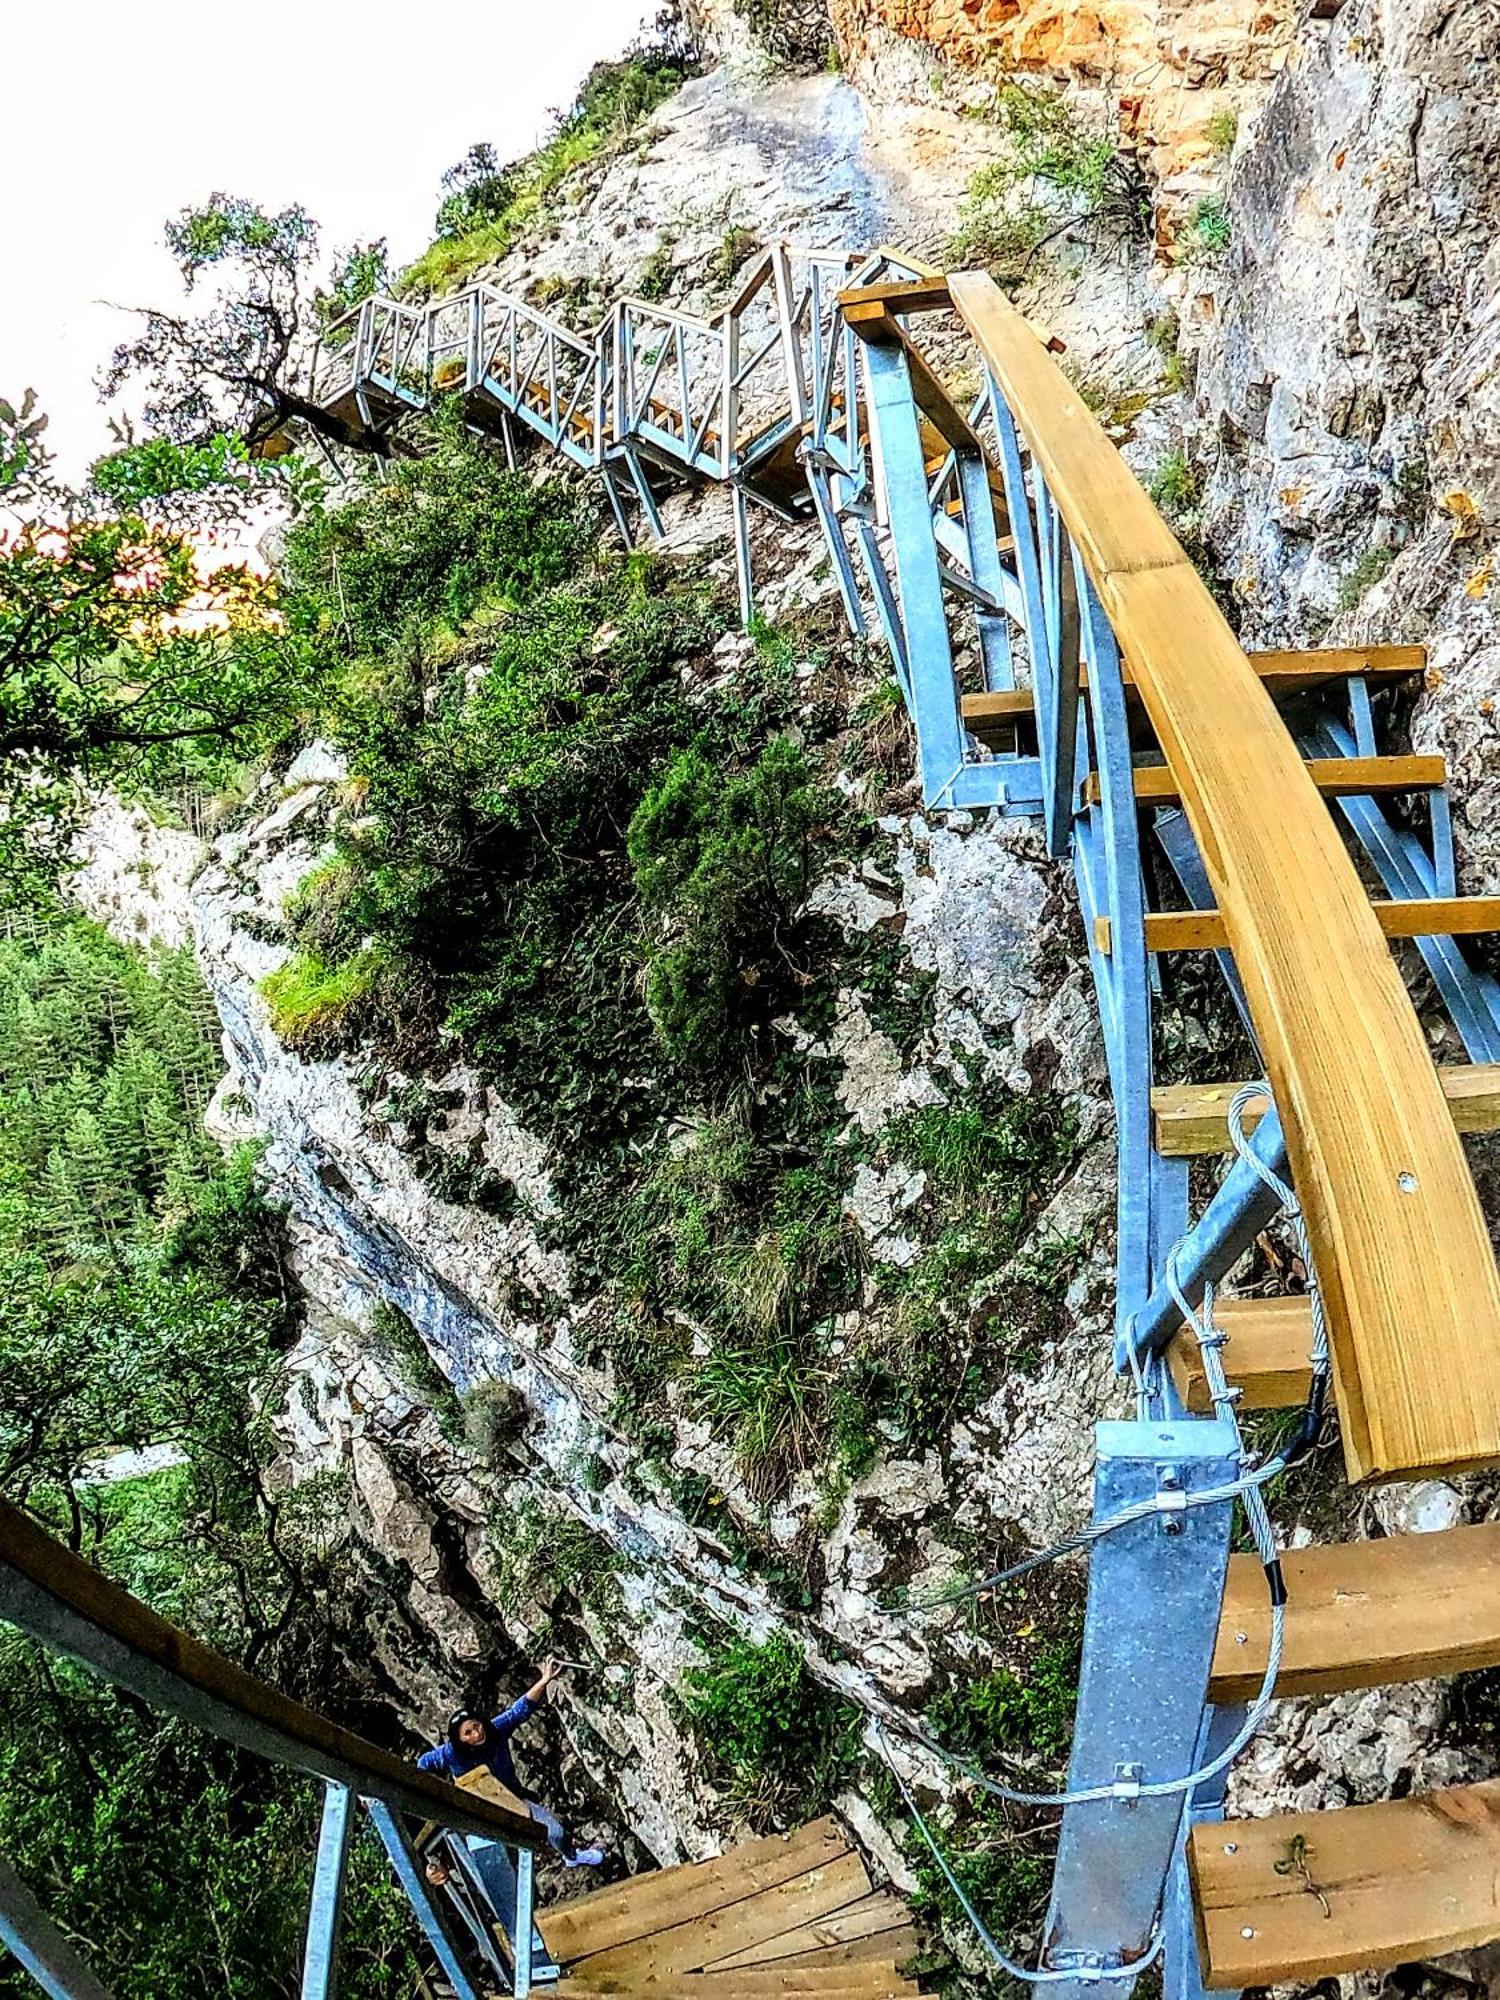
1182	1973
1085	629
982	536
743	578
1155	1589
525	1905
838	552
506	1879
42	1950
903	479
419	1893
320	1960
1241	1208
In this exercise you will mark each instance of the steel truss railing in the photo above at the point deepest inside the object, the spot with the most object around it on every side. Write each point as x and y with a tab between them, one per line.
763	396
70	1607
985	586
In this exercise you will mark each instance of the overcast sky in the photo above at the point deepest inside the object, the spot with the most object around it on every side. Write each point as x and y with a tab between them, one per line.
118	116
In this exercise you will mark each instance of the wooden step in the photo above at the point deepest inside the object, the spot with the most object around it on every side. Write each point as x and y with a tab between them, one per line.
1193	1118
860	1980
739	1925
1267	1345
1414	917
993	717
1365	1614
626	1911
1300	1896
872	1921
1335	778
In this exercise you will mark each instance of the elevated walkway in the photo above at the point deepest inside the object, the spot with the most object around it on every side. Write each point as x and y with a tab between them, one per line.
1060	660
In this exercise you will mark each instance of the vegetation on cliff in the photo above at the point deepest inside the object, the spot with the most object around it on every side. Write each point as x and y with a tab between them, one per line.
142	1308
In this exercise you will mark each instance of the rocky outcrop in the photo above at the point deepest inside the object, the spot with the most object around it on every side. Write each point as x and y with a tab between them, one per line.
1347	346
1167	68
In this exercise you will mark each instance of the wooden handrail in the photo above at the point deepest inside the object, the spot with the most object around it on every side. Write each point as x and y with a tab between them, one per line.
68	1604
1401	1247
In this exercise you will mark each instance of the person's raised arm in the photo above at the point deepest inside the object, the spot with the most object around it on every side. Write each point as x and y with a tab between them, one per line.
551	1671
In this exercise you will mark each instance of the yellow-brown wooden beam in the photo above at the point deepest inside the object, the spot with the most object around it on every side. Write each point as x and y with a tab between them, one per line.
1399	1240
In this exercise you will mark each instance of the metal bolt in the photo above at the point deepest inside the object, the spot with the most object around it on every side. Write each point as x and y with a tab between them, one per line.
1407	1183
1248	1931
1231	1847
1242	1638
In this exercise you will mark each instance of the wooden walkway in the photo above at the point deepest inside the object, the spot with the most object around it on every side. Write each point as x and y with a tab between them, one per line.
794	1914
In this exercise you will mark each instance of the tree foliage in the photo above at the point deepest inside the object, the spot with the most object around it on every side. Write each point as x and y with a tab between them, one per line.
122	660
141	1306
237	365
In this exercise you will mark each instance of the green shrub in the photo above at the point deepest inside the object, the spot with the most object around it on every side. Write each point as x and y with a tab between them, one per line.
1028	1711
397	1344
1356	583
542	1556
1207	235
312	1003
1057	179
487	208
723	861
780	1742
1174	485
1223	129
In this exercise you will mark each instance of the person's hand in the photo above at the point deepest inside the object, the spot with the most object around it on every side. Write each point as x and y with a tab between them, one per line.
552	1670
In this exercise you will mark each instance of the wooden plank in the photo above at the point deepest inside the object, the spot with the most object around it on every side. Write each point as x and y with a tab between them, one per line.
1267	1344
1300	1896
1422	916
849	1977
1365	1614
1283	674
1398	1237
872	1915
625	1911
751	1920
1193	1118
1335	778
857	1981
902	295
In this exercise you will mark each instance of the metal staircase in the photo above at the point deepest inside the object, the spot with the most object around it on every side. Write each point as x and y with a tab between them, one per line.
1060	659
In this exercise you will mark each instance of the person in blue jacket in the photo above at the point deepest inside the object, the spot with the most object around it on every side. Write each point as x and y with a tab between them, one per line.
473	1744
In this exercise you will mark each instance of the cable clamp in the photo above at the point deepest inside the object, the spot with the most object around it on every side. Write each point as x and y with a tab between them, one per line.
1127	1783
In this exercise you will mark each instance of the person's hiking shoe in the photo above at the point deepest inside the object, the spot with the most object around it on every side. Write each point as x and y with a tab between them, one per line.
585	1857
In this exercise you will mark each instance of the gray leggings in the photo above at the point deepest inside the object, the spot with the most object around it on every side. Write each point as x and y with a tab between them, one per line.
557	1833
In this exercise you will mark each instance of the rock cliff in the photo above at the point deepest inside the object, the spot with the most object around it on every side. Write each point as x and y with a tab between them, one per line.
1336	401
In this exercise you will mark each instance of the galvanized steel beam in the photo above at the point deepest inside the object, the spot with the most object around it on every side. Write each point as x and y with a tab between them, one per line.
1153	1610
39	1946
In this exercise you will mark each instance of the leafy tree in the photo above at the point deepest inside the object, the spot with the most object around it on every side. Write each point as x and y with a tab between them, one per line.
121	661
358	274
476	190
238	365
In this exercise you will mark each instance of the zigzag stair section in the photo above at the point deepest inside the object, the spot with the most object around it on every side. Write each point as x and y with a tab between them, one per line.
792	1914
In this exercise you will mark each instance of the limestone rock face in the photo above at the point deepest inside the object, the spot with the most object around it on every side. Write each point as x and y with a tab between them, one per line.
1167	65
1347	346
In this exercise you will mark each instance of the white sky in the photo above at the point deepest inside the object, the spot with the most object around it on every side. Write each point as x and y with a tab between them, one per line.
118	116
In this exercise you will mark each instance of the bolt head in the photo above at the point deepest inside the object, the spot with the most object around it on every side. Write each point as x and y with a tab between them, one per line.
1231	1847
1248	1931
